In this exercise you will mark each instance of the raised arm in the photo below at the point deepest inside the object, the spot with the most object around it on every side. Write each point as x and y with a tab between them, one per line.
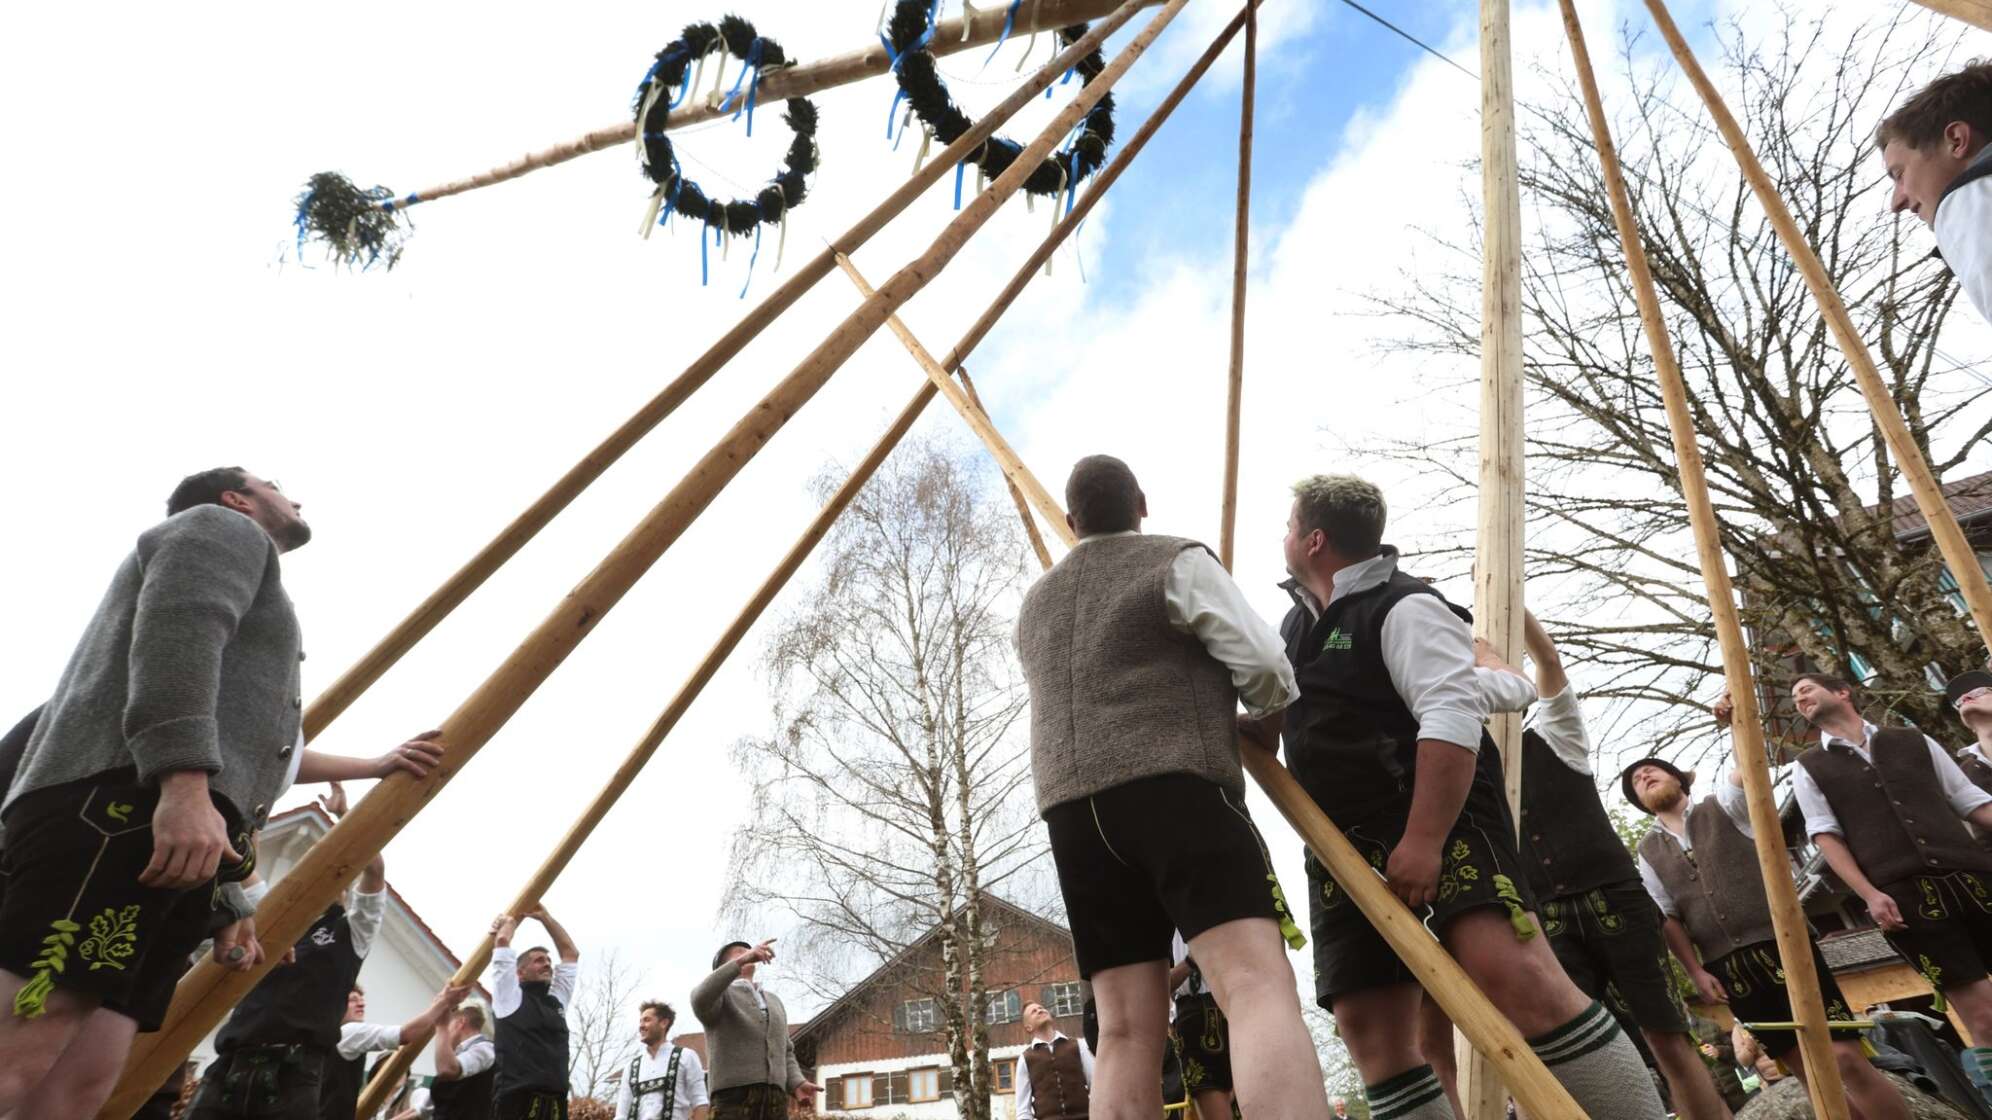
415	757
563	945
1550	677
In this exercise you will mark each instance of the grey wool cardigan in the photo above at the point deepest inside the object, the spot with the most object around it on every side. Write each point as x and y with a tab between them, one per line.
745	1045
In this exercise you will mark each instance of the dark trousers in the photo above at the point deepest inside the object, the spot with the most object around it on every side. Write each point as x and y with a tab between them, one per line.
264	1083
530	1104
751	1102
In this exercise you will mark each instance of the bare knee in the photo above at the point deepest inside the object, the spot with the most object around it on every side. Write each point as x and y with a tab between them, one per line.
1380	1027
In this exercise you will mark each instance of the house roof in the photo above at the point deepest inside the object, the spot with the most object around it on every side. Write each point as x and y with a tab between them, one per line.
1969	498
314	812
831	1013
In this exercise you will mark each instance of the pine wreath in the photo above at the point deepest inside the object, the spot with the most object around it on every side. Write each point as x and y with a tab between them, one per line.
675	192
358	225
907	35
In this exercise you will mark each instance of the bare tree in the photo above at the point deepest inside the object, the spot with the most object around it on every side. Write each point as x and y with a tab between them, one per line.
601	1026
893	790
1801	478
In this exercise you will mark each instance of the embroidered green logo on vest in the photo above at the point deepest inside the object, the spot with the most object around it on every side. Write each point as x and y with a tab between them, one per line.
1337	640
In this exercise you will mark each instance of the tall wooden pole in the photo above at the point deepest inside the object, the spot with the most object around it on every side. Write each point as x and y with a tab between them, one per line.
207	992
430	613
1241	236
1497	591
1951	543
1978	12
1023	504
1829	1099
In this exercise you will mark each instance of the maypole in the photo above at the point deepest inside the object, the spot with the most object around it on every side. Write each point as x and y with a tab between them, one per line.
1822	1082
1234	398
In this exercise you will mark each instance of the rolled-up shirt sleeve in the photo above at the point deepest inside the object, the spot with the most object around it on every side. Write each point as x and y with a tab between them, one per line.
1662	897
369	908
356	1039
480	1056
1429	652
1958	789
1812	804
1203	600
503	977
1504	691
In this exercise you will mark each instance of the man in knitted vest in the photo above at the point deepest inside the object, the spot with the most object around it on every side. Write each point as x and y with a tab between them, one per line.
1138	650
1887	810
1387	738
1699	863
754	1073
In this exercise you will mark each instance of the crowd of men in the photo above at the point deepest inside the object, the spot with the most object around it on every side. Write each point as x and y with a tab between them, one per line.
134	795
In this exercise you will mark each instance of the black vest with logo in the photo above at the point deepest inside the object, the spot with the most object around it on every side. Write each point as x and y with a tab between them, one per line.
1058	1080
300	1004
1568	842
532	1043
339	1087
1893	812
1350	739
469	1098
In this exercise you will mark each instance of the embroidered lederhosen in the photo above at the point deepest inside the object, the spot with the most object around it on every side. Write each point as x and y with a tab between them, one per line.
666	1085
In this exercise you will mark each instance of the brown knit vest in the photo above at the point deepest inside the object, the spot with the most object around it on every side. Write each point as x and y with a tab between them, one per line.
1893	811
1058	1081
1717	886
1117	693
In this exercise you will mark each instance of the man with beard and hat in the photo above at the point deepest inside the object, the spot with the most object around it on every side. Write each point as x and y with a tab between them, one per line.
529	998
1700	865
1887	807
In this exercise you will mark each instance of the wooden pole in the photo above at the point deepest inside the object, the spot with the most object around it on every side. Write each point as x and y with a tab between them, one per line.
1829	1099
390	1073
431	612
207	992
1017	496
985	26
1234	394
1497	592
1951	543
1978	12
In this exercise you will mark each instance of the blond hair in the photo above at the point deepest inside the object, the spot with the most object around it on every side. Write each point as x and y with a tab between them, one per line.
1348	510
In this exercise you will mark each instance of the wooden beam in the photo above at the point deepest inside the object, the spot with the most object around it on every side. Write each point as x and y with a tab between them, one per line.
1951	543
1240	248
985	26
1829	1099
1497	592
1976	12
1023	504
208	991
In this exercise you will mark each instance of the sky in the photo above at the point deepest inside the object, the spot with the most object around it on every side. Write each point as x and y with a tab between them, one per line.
159	320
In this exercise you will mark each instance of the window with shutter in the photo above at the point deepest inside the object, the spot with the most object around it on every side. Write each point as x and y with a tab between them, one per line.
947	1080
857	1091
923	1085
900	1090
833	1093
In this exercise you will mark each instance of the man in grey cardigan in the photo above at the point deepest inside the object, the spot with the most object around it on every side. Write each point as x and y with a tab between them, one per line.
752	1073
127	826
1138	650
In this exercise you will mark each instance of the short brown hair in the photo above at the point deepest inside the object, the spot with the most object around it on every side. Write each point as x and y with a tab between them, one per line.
1349	512
472	1014
1102	495
1827	681
1962	95
205	488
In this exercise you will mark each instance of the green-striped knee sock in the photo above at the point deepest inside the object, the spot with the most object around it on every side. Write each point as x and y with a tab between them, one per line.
1414	1094
1597	1064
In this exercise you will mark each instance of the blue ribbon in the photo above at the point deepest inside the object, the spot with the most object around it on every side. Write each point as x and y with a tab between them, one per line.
959	169
704	272
1071	177
751	62
684	83
894	58
751	259
1009	21
303	220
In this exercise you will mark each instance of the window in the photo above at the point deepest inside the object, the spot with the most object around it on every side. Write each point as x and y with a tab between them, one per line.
916	1016
1005	1073
857	1090
891	1088
1065	999
1002	1007
923	1085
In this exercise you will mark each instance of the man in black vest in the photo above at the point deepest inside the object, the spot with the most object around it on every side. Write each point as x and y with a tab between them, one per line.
529	997
1699	863
346	1073
1886	808
1970	695
1387	737
466	1068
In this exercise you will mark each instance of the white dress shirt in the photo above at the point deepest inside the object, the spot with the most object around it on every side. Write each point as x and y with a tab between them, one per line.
690	1092
1427	649
1964	235
356	1039
1193	984
1958	789
1560	722
1978	752
503	977
1203	600
754	989
1504	691
1025	1111
364	913
476	1054
1735	804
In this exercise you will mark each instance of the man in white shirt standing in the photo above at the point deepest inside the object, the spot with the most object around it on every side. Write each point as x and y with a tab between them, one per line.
1054	1073
1934	149
466	1067
1387	738
664	1081
1138	650
339	1091
1887	809
529	998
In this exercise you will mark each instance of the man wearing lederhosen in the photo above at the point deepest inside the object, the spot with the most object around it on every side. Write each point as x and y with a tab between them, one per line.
1201	1036
754	1073
664	1081
529	998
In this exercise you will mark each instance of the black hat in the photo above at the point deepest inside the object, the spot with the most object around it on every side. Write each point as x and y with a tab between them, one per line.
1625	780
1965	682
719	958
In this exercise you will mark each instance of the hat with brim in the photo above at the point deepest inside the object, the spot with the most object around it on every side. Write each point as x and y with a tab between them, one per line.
1625	780
719	958
1966	682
